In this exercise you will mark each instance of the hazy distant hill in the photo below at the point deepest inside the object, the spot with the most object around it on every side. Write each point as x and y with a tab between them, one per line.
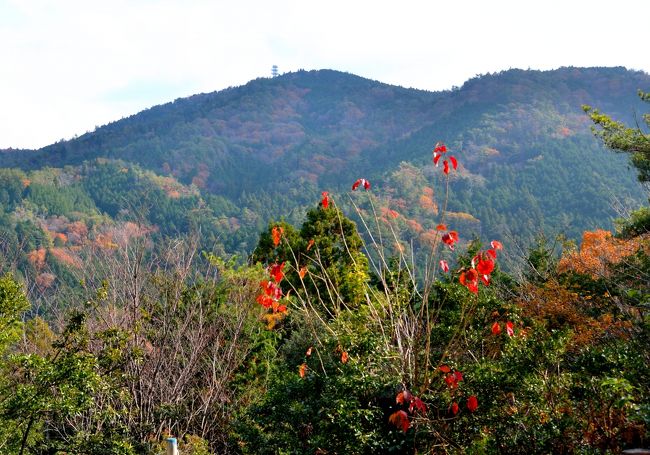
229	161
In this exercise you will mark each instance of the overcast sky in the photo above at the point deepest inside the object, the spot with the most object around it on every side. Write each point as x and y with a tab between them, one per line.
67	66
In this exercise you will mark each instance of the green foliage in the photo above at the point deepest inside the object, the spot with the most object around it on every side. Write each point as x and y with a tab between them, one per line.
621	138
12	305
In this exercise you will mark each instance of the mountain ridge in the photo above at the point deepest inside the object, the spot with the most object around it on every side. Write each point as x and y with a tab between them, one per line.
266	149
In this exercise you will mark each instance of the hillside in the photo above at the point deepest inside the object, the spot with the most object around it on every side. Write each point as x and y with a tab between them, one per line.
227	162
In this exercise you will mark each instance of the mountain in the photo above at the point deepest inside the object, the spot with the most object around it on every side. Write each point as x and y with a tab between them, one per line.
227	162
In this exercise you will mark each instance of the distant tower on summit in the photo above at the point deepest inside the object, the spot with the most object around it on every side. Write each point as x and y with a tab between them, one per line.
274	71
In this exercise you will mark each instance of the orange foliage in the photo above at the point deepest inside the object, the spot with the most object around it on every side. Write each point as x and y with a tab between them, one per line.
427	202
37	258
26	182
65	257
462	216
61	236
558	307
600	249
105	241
77	232
45	280
414	226
429	237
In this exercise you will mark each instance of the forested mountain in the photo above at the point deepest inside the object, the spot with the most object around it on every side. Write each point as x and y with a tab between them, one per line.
225	163
364	321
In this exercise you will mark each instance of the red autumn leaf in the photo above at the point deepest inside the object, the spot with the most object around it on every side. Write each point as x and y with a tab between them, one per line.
496	328
276	272
361	182
441	227
400	419
302	272
444	266
436	158
458	376
446	167
277	234
418	404
440	148
454	408
485	279
450	238
444	368
326	199
451	381
344	357
454	163
472	403
492	253
310	244
393	213
485	266
302	370
510	330
264	300
469	279
267	287
403	397
496	245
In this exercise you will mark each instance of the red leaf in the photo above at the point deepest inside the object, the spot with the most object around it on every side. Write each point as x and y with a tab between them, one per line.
400	419
361	182
419	405
485	279
264	300
302	370
446	167
451	381
450	238
440	148
277	234
404	397
276	272
454	163
444	266
492	253
436	158
441	227
469	279
310	244
302	272
326	199
454	408
472	403
444	368
344	357
458	375
496	245
496	328
485	266
510	329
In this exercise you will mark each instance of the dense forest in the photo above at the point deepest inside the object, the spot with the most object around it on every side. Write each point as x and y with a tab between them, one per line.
221	166
363	274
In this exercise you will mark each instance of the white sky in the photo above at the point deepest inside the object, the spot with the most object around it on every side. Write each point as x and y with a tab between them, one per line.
67	66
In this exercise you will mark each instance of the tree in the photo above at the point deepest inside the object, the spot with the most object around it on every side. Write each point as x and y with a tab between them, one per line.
622	138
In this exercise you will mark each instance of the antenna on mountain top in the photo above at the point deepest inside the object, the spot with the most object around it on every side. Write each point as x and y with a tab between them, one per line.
274	71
